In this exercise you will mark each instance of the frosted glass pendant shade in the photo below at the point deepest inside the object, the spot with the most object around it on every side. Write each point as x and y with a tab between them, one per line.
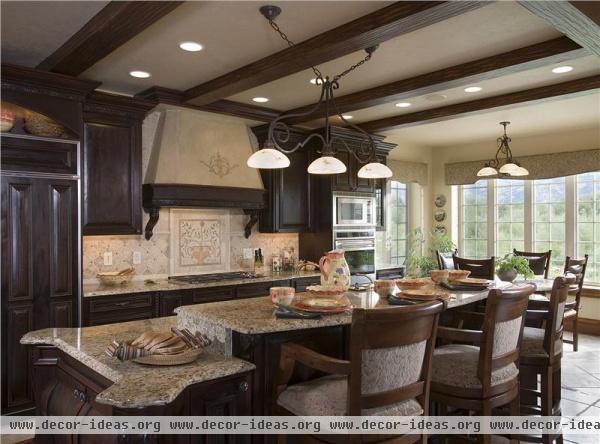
520	171
508	168
327	165
487	171
268	159
374	170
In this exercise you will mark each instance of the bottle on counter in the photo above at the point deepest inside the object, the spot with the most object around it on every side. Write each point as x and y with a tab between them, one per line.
276	263
258	262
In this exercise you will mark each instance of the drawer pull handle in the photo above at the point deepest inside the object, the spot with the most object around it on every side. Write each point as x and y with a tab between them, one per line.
243	386
122	304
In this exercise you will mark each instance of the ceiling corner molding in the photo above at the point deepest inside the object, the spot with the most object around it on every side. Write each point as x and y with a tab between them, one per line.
580	20
114	25
159	94
377	27
572	88
521	59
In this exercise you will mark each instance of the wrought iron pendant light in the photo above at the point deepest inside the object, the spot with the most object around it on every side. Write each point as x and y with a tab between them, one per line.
506	167
272	155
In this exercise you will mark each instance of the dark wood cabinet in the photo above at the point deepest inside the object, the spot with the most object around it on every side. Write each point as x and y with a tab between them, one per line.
39	271
112	159
301	284
344	181
288	191
119	308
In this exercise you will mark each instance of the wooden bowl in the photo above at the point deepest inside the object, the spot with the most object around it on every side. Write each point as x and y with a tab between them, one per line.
384	287
458	274
438	276
411	284
114	279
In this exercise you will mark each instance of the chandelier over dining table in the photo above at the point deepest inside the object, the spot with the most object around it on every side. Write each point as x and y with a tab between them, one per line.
273	154
503	167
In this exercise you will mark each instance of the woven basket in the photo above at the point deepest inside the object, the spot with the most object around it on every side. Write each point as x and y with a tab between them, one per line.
40	125
179	359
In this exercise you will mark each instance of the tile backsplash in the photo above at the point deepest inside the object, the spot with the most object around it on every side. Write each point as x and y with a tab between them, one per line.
156	253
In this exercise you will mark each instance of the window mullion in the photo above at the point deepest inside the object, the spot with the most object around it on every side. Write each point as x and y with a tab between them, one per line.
528	215
460	220
570	216
491	217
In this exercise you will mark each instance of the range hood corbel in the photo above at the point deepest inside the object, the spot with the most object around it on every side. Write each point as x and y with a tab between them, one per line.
156	196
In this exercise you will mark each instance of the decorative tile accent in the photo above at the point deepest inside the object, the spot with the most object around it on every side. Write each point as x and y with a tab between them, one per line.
156	253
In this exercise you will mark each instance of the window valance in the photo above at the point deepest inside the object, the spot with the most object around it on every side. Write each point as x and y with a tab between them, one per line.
542	166
408	172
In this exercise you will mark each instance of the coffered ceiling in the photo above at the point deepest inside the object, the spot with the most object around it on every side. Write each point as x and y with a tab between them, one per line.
235	35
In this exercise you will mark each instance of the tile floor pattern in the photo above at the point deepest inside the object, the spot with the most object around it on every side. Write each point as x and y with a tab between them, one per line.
580	388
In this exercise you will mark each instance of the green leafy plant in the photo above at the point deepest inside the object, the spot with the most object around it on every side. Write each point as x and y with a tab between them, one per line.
511	262
442	243
419	264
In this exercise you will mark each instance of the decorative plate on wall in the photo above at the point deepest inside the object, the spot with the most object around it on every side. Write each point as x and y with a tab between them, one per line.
440	229
440	200
439	215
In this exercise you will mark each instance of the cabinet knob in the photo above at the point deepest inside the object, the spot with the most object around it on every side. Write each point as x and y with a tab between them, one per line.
243	386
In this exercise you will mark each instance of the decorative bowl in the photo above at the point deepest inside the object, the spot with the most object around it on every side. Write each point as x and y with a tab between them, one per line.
411	284
325	290
112	278
40	125
438	276
282	295
384	287
458	274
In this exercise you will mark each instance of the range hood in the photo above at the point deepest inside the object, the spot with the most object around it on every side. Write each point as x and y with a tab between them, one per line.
196	159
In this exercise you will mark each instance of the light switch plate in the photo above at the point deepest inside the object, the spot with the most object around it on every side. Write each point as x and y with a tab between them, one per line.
248	253
137	257
108	258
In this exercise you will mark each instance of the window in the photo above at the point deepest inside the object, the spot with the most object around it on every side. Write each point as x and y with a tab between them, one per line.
560	214
509	216
588	223
398	229
474	220
549	220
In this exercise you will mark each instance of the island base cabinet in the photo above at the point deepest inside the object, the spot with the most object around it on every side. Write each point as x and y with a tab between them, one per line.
65	387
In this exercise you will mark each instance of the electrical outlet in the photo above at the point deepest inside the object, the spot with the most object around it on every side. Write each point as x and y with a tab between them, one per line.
137	257
248	253
108	258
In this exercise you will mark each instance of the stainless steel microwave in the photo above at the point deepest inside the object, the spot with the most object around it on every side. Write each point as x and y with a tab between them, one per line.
350	211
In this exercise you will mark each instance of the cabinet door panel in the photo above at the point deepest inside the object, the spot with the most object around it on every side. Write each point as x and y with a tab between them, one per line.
16	372
344	181
294	192
61	314
168	303
112	178
17	239
362	185
63	217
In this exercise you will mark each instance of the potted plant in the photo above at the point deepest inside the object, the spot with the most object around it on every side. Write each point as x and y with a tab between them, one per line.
510	266
419	264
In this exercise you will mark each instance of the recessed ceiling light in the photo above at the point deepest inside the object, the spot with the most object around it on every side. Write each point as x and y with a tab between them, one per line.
315	81
191	46
139	74
347	116
472	89
562	69
403	104
435	97
260	99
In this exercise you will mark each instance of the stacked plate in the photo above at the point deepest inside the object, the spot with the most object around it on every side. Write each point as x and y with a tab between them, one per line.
323	305
468	284
424	294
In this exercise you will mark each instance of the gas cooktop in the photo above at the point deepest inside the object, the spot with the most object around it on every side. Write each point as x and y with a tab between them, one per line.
213	277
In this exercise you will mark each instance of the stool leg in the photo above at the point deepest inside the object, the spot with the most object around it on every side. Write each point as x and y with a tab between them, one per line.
547	398
515	410
575	332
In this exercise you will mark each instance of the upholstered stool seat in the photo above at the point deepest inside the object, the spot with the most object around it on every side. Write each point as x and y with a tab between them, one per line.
533	342
327	396
455	365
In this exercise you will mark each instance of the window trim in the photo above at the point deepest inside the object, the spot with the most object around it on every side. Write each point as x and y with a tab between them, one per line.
406	213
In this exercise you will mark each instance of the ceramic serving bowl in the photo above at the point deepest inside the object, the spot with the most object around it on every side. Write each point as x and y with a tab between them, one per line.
282	295
114	279
438	276
411	284
458	274
384	287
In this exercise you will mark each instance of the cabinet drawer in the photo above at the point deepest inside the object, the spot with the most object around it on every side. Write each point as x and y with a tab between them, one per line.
213	294
300	284
112	317
253	290
42	156
103	304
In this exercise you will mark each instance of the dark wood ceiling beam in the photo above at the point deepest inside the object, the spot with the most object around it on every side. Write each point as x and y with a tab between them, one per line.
169	96
384	24
115	24
586	85
580	21
529	57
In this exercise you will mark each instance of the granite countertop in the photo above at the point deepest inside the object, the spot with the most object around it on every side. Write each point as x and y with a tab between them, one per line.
92	290
135	385
255	315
